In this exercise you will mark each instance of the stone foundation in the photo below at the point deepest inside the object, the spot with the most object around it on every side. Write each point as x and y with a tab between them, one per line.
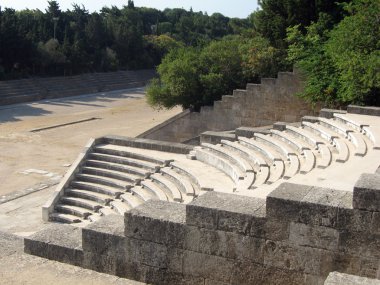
298	235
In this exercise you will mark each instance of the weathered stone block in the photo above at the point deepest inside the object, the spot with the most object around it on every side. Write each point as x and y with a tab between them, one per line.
224	244
157	221
227	212
56	242
337	278
371	111
313	236
367	192
207	266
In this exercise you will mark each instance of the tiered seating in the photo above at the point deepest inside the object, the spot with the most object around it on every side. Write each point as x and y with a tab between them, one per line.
27	90
115	177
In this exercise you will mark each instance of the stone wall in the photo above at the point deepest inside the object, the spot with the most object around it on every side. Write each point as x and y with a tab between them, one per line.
298	235
259	105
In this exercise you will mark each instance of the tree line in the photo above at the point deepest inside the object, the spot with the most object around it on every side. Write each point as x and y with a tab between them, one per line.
56	42
334	44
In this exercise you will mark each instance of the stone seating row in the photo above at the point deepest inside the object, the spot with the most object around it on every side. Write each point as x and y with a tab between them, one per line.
113	179
286	150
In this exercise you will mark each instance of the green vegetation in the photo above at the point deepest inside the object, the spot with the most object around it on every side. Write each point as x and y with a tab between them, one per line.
335	44
56	42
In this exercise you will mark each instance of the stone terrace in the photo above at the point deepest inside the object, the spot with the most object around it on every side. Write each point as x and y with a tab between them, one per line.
116	174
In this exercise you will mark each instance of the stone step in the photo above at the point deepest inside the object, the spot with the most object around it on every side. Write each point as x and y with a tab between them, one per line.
115	150
256	159
117	175
64	218
181	170
156	190
277	166
92	184
83	203
247	183
143	193
132	200
118	167
171	188
94	217
120	207
230	155
220	163
292	163
106	211
182	181
89	195
342	118
308	161
325	158
124	161
336	140
73	210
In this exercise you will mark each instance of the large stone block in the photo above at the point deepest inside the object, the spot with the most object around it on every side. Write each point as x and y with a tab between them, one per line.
207	266
57	242
306	204
157	221
337	278
367	192
226	212
224	244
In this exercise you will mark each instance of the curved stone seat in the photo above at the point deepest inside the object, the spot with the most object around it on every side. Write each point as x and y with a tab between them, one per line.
247	183
132	200
277	167
340	145
144	194
171	188
183	182
114	150
354	137
64	218
309	160
125	161
89	195
83	203
156	190
220	163
99	184
118	167
73	210
349	122
258	163
325	153
185	172
120	207
106	211
230	155
117	175
293	165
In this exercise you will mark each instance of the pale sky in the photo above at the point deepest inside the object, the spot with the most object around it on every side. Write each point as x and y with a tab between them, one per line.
234	8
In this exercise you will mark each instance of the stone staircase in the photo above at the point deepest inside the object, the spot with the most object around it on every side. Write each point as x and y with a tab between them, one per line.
28	90
115	174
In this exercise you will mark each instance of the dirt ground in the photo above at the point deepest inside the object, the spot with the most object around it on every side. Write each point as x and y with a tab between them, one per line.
30	157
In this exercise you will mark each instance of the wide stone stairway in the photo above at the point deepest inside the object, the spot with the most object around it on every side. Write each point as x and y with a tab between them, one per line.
116	174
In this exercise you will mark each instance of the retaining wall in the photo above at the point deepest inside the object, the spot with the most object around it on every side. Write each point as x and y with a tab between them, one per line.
298	235
259	105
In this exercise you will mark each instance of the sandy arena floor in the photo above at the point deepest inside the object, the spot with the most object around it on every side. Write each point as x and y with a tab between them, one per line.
39	158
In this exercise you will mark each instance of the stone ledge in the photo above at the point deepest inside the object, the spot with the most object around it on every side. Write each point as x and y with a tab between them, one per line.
226	212
370	111
216	137
248	132
367	192
148	144
58	242
337	278
329	113
157	221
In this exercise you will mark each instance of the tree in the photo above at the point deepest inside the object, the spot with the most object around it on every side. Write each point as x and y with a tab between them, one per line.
341	65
